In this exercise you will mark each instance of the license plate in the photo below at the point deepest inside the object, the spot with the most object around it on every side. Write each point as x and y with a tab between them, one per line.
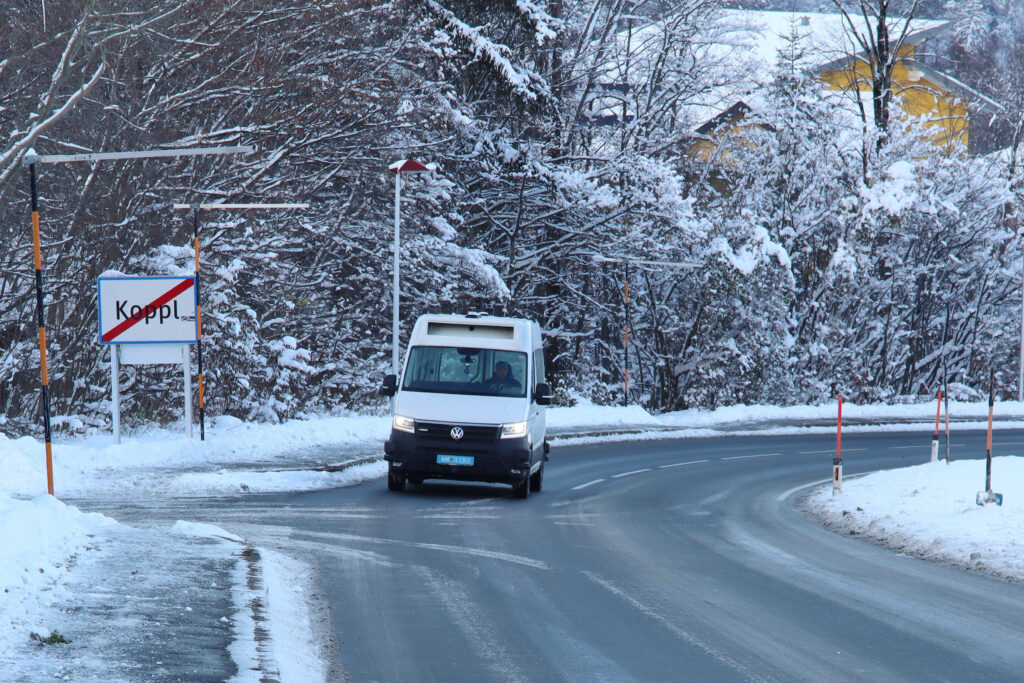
455	460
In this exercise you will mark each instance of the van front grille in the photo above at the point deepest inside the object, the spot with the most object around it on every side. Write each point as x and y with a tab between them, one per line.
470	433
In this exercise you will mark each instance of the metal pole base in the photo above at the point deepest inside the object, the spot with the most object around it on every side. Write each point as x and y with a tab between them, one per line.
986	497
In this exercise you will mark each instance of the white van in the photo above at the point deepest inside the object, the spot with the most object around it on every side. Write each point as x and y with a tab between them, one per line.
471	403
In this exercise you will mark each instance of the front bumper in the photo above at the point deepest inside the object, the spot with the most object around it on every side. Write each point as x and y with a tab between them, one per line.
497	460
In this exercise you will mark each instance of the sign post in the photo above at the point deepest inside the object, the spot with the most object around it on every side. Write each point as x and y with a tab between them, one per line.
31	159
115	393
148	320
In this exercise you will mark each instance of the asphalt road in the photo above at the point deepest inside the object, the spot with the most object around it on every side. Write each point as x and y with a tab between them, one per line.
651	561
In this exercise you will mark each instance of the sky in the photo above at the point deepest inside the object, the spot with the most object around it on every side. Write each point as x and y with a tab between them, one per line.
46	561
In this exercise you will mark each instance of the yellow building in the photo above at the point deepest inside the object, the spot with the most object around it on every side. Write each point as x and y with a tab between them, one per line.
957	118
919	91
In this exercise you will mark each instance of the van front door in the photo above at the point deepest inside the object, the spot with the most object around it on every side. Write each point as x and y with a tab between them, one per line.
538	413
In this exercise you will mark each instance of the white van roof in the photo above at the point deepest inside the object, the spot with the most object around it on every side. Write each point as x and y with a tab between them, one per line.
480	331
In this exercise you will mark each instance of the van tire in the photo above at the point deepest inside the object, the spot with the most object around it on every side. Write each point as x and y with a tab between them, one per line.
521	489
396	482
537	479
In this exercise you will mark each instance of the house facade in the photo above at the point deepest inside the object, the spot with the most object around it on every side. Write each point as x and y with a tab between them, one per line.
952	114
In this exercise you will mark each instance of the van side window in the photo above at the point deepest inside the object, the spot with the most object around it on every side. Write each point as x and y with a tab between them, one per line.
538	367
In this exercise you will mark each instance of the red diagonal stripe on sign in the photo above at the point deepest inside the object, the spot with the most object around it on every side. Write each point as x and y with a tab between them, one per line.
156	303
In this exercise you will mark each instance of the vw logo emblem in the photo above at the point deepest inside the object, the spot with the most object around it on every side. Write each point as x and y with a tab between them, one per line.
457	433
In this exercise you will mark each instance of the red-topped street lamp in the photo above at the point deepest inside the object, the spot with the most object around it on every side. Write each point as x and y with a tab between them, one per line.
398	168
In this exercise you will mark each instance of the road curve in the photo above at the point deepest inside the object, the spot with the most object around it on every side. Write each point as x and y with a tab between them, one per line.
659	560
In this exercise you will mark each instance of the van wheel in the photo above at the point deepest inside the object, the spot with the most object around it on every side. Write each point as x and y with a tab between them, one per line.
521	489
396	482
537	479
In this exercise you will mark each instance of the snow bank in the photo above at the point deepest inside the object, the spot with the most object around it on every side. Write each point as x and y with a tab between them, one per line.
929	511
923	412
587	415
86	466
41	538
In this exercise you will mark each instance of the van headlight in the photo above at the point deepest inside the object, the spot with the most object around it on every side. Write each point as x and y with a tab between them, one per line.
513	430
404	424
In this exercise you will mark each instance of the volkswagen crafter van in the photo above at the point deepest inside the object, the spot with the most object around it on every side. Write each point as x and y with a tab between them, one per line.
470	403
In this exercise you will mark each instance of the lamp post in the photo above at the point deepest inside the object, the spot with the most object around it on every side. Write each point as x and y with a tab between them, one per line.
398	168
641	262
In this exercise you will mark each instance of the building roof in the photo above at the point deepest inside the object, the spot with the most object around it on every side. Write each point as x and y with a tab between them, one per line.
752	42
761	35
730	116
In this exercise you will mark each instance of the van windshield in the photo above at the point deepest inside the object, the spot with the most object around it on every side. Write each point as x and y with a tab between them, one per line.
461	370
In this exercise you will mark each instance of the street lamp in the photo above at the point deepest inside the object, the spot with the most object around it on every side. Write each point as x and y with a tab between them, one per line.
641	262
398	168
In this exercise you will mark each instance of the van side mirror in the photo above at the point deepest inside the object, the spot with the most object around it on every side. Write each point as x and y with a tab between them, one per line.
389	386
542	394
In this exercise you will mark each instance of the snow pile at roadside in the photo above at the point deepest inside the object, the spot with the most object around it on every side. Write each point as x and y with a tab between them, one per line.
930	511
158	458
695	422
41	538
245	480
586	415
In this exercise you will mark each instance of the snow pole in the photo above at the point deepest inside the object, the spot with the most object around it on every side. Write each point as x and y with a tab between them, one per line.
199	325
837	462
935	438
195	208
945	378
625	376
31	159
987	496
945	396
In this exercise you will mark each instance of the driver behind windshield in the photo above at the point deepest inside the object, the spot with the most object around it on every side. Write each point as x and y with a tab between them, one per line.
502	377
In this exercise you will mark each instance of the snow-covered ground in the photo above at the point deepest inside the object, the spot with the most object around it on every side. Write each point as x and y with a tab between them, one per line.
930	511
45	559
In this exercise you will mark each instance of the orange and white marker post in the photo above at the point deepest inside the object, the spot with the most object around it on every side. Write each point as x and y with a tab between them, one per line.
935	437
837	462
199	324
945	396
625	391
988	495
